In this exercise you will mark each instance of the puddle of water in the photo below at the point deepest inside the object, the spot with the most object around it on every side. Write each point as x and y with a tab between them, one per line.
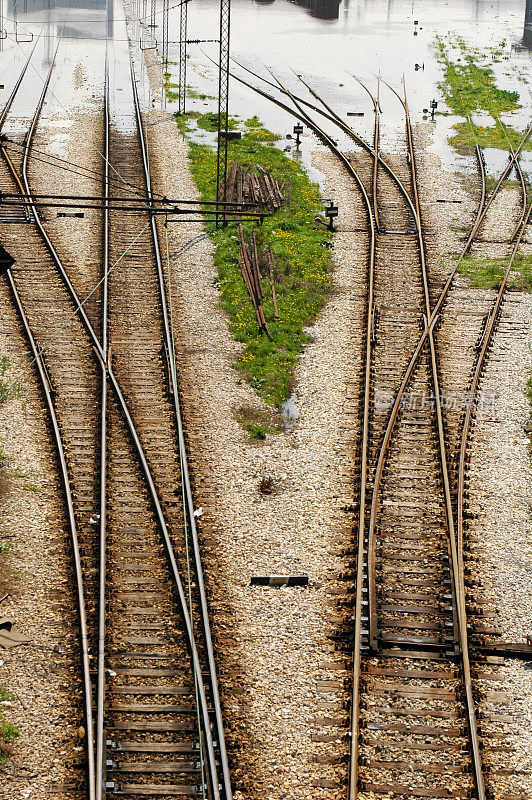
324	40
289	413
327	40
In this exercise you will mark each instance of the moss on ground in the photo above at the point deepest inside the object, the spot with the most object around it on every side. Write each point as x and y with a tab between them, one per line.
303	279
9	388
487	273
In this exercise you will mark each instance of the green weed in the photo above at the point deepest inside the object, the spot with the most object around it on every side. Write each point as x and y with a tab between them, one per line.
8	731
302	280
488	273
257	422
469	86
31	487
9	389
194	95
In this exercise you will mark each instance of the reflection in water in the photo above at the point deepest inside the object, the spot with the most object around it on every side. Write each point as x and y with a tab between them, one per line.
322	9
527	36
83	19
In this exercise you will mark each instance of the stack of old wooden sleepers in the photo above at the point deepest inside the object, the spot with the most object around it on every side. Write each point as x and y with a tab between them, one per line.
250	267
253	187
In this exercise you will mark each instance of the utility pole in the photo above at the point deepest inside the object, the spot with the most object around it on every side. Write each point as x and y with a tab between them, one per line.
223	104
165	36
183	33
527	36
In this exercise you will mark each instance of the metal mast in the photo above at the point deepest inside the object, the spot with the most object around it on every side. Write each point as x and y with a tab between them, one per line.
223	101
165	36
183	24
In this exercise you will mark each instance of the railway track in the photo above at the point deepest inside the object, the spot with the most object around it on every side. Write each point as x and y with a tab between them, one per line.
153	691
414	717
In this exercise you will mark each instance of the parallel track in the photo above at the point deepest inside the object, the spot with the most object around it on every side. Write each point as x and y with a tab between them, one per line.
145	475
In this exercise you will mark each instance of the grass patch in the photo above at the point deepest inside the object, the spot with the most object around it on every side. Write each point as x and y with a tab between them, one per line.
8	731
492	180
209	122
258	422
303	279
469	86
469	83
487	273
9	389
194	95
31	487
5	575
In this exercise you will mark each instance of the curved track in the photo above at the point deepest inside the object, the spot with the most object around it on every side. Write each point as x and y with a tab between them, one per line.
413	624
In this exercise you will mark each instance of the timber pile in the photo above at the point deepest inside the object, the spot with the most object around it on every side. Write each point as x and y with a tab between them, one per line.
250	267
254	187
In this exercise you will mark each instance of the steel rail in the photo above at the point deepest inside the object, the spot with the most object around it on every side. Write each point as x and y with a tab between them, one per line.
207	636
368	347
431	318
376	137
430	322
521	177
97	347
353	768
359	140
9	102
372	539
329	114
78	569
486	340
38	360
482	209
102	587
459	624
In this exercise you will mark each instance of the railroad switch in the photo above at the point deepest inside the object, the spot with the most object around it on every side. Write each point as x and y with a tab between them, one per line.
298	130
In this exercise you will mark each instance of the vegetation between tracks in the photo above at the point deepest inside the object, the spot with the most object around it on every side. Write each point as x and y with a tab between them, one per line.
303	276
470	87
487	273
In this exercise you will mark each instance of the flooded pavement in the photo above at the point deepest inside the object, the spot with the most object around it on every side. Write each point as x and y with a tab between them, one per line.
326	41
